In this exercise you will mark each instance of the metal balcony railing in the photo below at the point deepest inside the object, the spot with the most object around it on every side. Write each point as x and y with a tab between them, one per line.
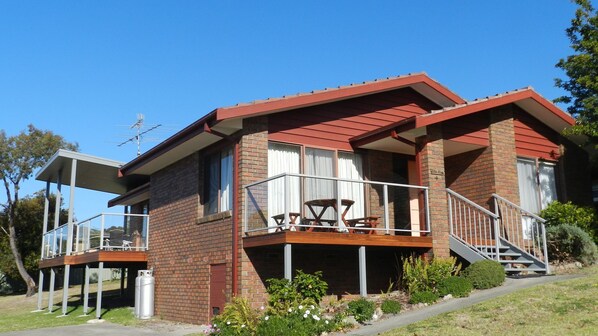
106	231
299	202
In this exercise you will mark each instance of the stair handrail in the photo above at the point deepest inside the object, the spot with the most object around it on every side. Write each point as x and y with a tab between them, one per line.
494	217
528	214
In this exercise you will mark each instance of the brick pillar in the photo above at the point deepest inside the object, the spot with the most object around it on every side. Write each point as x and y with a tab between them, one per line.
504	157
253	166
430	154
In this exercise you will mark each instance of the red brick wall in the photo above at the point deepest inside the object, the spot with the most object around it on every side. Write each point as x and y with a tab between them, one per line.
470	174
504	155
180	251
430	152
253	166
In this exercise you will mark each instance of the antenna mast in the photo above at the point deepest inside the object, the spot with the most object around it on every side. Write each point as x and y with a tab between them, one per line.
137	138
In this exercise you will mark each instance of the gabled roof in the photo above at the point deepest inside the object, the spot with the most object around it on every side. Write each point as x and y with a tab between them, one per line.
526	98
227	120
420	82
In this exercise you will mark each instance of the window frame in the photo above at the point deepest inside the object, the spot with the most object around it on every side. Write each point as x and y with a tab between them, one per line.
211	157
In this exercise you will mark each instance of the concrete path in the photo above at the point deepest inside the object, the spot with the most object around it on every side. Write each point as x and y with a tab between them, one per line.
107	328
413	316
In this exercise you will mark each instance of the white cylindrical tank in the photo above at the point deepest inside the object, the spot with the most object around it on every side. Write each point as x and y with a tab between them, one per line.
144	294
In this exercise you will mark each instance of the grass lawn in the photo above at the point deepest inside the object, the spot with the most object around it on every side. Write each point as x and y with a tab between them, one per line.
15	310
562	308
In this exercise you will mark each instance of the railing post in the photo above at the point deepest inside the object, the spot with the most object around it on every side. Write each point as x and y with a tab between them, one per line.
246	210
450	211
426	205
496	239
101	231
386	213
339	206
147	223
286	201
547	265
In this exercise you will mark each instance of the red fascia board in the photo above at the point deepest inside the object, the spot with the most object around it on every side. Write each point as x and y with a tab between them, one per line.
430	119
180	137
327	96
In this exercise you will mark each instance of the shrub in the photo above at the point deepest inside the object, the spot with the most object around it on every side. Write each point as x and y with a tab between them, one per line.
421	275
485	274
304	321
390	306
585	218
566	243
238	318
423	297
310	286
361	309
456	286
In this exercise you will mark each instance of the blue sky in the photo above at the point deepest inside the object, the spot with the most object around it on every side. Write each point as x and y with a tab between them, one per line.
84	69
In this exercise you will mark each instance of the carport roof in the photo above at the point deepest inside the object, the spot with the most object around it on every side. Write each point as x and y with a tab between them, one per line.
93	172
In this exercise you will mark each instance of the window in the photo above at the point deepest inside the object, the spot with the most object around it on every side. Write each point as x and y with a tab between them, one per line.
284	158
219	182
537	184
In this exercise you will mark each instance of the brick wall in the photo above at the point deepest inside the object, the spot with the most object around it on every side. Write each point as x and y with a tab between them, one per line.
430	152
470	174
253	166
180	251
504	155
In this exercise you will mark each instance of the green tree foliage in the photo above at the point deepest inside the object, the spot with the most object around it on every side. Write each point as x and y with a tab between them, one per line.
20	156
28	227
582	70
585	218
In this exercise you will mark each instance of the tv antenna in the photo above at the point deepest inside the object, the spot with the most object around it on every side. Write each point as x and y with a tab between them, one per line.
138	125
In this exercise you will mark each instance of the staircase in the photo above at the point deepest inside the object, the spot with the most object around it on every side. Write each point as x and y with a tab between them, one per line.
512	236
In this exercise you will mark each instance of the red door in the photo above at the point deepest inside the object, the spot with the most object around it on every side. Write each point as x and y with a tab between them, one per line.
217	289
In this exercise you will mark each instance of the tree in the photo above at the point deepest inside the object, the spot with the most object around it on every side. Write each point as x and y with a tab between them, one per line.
20	155
28	228
582	70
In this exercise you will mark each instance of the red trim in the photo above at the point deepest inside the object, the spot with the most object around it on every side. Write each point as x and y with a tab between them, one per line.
383	132
327	96
434	118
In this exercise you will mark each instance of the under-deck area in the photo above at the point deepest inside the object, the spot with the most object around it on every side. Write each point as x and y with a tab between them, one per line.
348	270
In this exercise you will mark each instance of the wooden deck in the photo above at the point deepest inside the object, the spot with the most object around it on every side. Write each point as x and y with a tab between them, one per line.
332	238
94	257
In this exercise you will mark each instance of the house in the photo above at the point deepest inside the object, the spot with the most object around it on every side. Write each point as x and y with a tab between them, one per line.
344	180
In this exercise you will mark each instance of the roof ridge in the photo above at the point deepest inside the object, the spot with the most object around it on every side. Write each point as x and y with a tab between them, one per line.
327	89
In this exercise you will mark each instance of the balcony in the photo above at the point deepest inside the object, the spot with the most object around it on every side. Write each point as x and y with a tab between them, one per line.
304	209
104	237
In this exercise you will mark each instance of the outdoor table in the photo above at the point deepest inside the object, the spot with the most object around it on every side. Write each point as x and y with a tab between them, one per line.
324	204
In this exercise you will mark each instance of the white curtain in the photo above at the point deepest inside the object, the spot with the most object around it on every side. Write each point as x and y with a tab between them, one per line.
226	180
350	167
547	181
528	186
283	159
320	162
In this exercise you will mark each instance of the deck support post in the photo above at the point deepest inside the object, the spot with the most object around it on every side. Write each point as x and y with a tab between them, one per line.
65	288
362	273
122	281
99	295
51	289
40	291
86	290
288	267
